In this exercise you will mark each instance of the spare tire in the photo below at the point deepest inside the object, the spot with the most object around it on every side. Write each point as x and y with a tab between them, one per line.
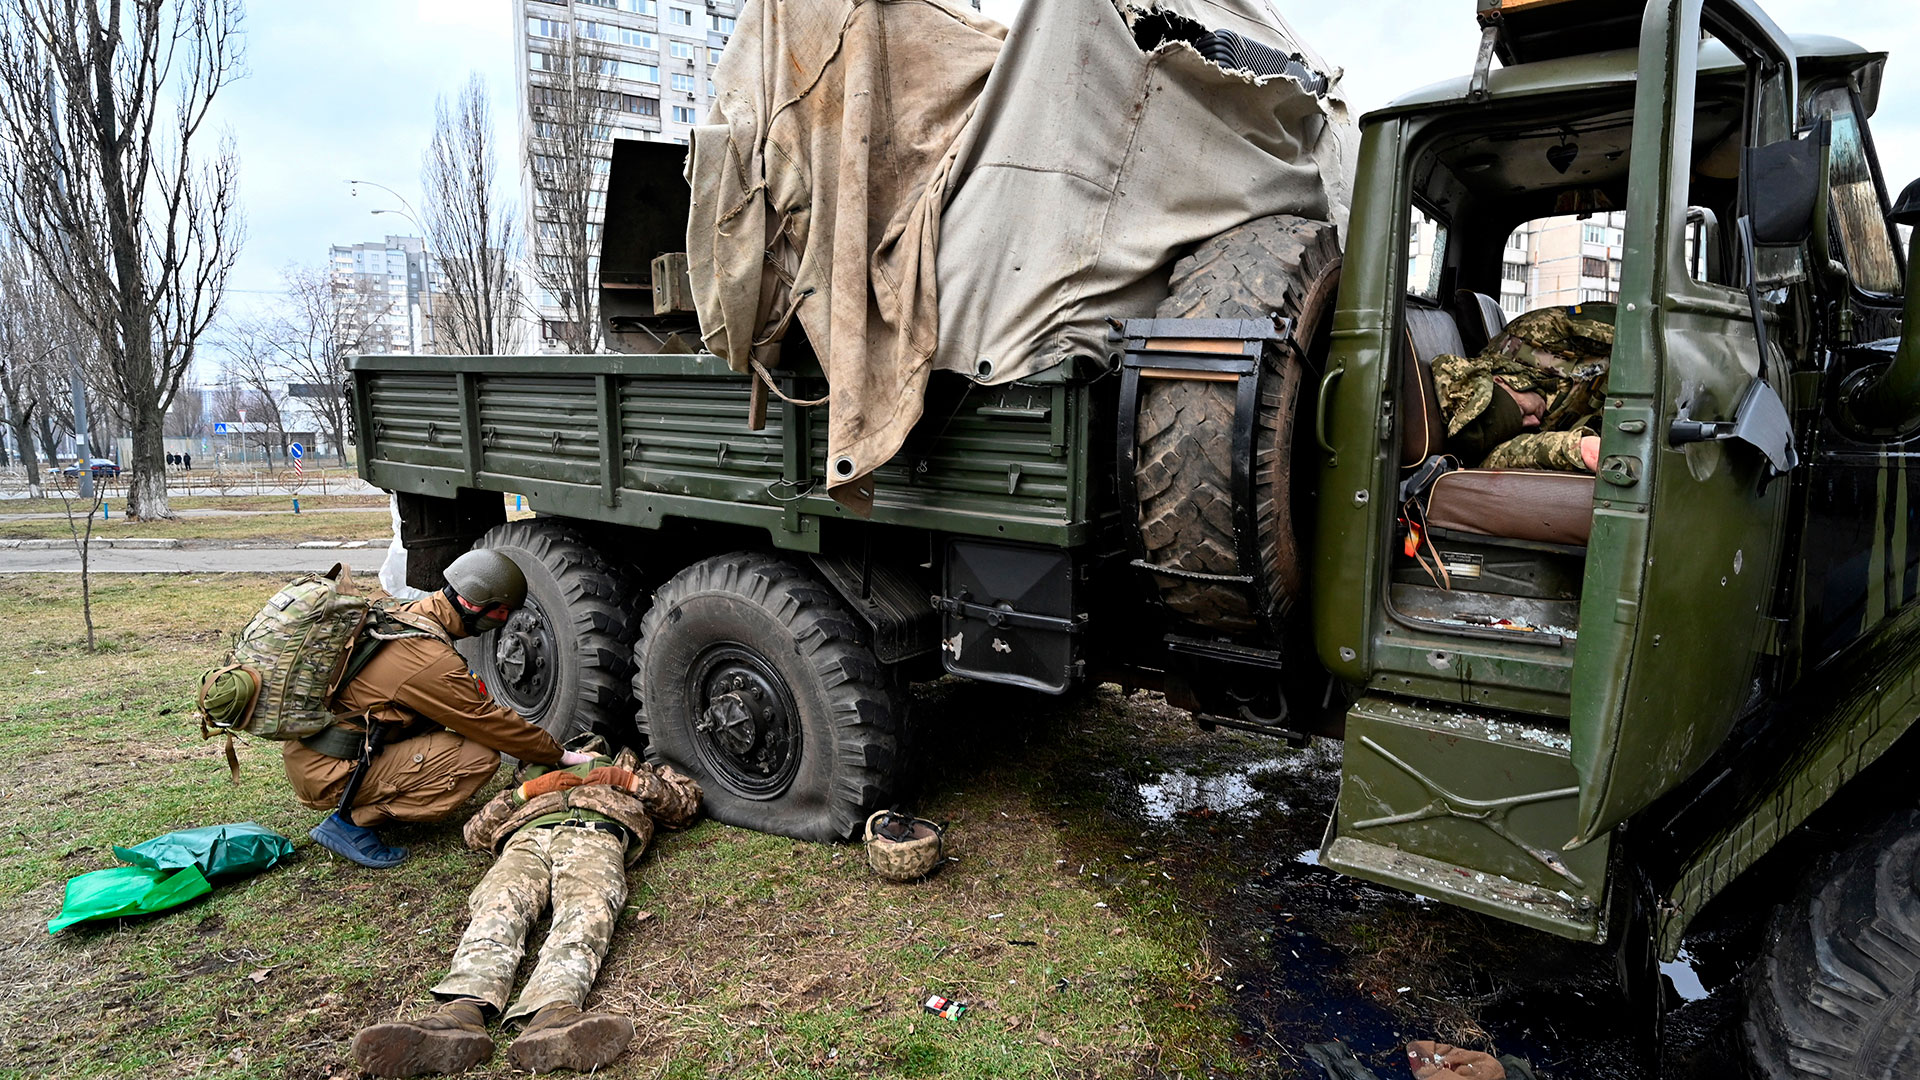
1276	267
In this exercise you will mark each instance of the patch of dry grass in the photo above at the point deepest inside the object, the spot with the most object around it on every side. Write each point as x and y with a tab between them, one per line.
287	525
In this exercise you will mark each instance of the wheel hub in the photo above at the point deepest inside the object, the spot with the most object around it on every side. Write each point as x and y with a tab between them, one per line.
747	720
523	655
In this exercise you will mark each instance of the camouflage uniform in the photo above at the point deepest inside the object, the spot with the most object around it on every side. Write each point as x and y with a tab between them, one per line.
1559	353
550	849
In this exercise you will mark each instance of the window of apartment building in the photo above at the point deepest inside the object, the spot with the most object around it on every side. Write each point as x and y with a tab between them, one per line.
1514	271
598	31
641	7
683	82
638	39
680	50
599	3
713	56
641	72
548	28
682	114
1613	269
711	92
1592	267
540	61
1517	239
721	24
679	16
639	106
1593	234
1596	296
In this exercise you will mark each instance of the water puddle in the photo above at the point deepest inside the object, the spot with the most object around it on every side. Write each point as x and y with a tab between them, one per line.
1178	793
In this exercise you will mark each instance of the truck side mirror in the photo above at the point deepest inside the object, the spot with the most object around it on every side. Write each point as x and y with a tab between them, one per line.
1784	186
1906	209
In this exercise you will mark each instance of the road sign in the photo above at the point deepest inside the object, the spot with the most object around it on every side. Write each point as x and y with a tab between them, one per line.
297	451
219	429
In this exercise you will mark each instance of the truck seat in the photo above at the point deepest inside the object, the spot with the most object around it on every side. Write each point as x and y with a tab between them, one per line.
1480	318
1520	504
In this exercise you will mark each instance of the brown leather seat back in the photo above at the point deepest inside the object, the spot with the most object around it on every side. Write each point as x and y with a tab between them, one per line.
1523	504
1480	318
1430	332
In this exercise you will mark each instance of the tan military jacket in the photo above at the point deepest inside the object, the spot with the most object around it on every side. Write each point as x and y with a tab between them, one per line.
421	679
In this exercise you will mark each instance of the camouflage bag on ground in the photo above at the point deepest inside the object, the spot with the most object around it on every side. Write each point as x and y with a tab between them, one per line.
279	679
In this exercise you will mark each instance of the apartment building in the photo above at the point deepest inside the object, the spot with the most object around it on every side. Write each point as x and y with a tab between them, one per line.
396	277
657	59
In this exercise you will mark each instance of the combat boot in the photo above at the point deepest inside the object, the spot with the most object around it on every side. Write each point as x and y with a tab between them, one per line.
562	1037
452	1038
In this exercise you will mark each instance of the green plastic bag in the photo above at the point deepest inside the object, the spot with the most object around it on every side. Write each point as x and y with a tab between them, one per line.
168	871
127	890
243	848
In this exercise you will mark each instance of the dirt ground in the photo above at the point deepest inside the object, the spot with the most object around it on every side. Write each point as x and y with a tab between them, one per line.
1127	896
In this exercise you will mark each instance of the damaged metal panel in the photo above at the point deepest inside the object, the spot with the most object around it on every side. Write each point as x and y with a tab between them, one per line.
1467	807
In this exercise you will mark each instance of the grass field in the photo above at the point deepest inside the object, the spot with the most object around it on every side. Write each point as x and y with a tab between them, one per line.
203	502
288	526
1081	952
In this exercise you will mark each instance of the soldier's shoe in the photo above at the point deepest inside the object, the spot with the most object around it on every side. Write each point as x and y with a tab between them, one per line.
452	1038
356	843
562	1037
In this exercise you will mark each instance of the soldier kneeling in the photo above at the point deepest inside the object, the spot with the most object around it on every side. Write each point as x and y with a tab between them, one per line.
570	833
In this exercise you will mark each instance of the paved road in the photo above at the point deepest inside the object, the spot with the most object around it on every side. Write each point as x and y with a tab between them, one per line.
56	516
248	560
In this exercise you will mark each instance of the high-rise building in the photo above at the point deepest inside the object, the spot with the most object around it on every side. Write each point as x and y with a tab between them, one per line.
656	60
395	280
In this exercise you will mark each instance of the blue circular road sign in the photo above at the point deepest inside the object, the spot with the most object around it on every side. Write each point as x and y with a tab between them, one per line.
297	450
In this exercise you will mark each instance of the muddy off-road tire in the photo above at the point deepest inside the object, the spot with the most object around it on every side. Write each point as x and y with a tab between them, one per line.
1836	993
1281	266
753	679
564	660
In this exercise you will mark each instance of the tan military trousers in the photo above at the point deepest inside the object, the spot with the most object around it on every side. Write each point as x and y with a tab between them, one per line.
426	778
584	871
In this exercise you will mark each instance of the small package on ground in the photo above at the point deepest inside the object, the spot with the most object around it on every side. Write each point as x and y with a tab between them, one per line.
168	871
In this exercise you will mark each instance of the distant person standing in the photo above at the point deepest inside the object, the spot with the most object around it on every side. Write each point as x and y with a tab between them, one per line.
187	460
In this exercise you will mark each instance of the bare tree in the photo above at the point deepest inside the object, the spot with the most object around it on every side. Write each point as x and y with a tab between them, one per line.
251	370
567	148
471	230
103	113
35	329
323	320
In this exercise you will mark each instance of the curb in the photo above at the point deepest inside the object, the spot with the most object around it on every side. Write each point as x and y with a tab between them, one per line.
125	543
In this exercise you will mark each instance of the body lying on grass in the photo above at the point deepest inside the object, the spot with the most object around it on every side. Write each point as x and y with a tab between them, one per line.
568	834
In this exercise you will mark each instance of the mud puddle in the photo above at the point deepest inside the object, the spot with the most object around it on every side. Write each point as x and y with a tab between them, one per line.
1312	956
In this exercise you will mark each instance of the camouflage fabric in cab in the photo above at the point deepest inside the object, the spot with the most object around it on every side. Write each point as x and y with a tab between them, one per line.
1559	353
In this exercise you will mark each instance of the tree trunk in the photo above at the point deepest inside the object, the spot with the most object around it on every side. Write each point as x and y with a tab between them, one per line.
147	488
23	438
49	445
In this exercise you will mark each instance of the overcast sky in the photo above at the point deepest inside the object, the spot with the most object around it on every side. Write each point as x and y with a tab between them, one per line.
345	90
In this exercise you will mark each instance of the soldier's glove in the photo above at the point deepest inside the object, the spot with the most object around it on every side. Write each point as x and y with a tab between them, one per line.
558	780
624	779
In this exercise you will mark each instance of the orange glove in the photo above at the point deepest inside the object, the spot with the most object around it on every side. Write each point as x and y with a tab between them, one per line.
1438	1061
557	780
612	777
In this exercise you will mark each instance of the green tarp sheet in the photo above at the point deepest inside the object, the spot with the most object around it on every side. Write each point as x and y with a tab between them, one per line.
168	871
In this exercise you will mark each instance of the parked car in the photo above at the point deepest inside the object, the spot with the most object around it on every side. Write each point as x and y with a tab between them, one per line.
103	469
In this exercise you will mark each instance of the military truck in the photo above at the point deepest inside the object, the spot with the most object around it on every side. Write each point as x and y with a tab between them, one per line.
1626	689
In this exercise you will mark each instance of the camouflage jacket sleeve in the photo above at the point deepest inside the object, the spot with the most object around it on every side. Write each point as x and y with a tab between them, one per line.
483	828
671	797
1558	451
1464	386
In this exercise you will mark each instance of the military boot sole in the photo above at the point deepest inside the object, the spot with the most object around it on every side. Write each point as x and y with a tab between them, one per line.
402	1049
591	1042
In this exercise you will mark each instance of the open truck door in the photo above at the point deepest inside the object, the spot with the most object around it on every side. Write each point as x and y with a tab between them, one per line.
1680	584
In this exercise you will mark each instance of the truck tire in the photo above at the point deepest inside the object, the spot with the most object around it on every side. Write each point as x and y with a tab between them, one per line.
1836	993
563	660
752	678
1281	266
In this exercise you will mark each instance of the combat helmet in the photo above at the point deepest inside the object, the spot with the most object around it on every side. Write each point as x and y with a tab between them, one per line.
901	847
484	577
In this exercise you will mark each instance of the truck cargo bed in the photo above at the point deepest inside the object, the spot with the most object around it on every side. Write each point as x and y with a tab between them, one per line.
634	440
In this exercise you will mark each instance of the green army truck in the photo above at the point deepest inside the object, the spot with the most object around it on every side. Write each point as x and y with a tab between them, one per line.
1623	691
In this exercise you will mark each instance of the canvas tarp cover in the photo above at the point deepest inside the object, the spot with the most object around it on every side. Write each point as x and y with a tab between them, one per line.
920	197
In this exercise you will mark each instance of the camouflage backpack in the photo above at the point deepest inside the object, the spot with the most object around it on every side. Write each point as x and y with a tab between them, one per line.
279	679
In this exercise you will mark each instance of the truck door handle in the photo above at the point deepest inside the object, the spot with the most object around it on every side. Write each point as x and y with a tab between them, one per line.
1320	414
